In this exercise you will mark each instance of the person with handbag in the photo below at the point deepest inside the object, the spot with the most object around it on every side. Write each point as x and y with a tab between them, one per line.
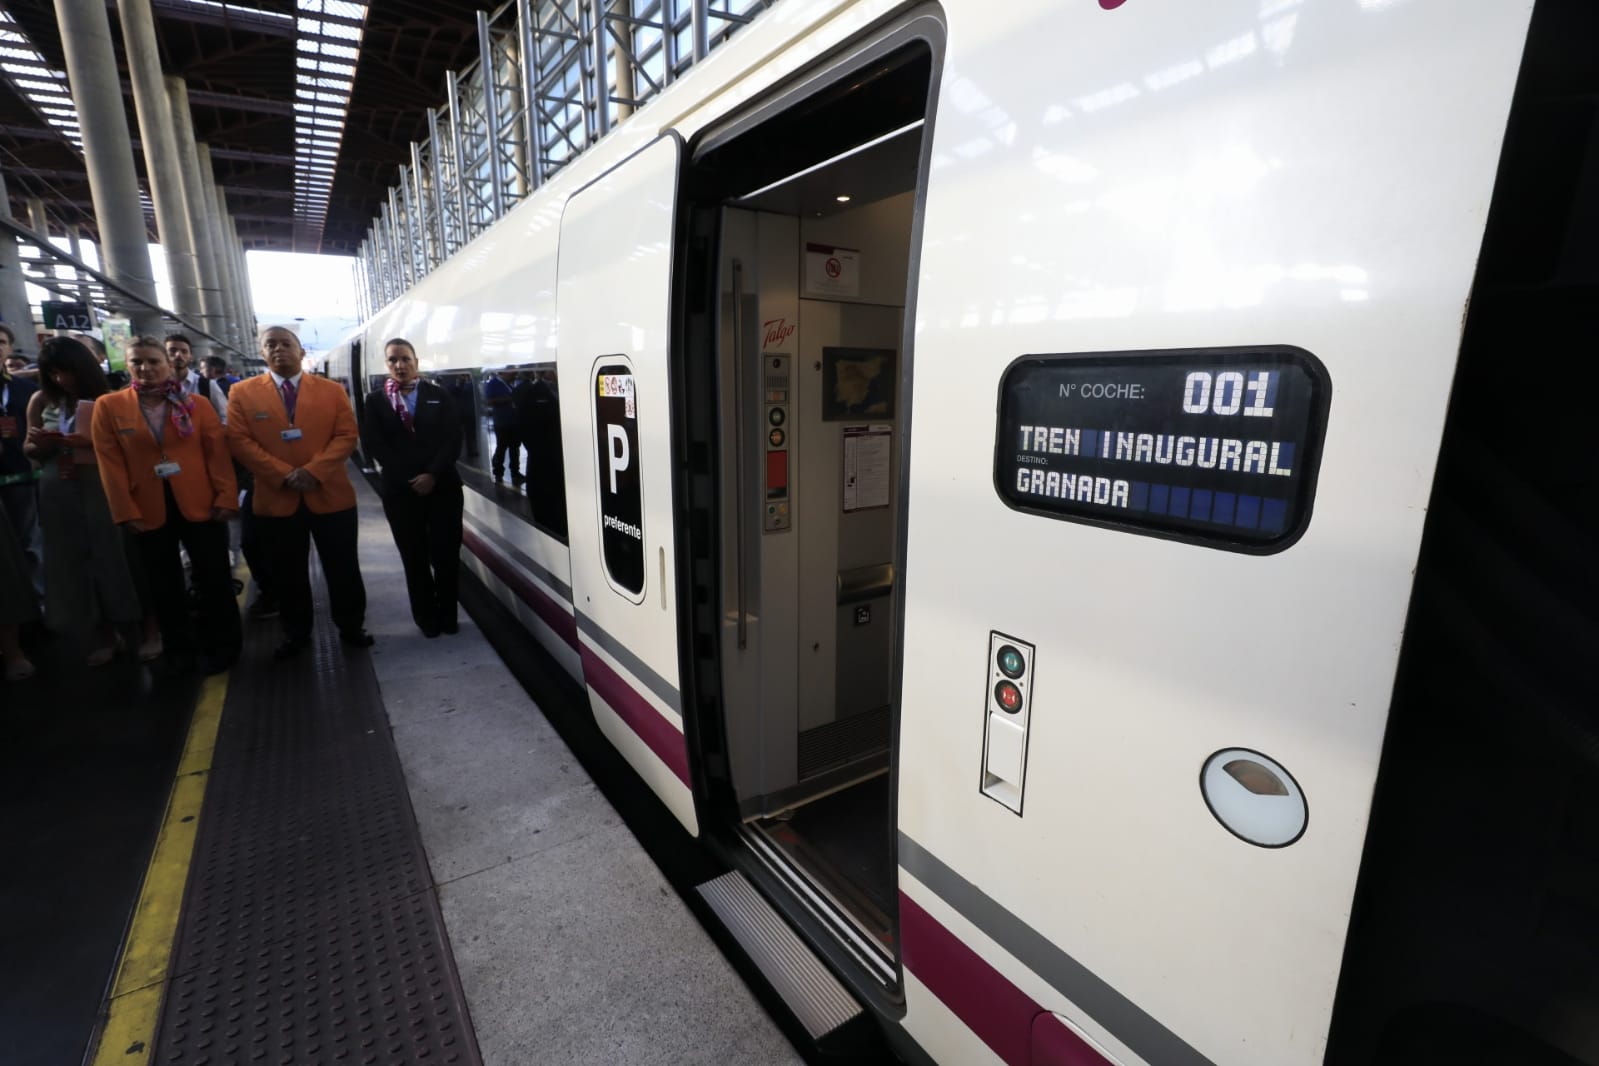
168	477
90	586
411	430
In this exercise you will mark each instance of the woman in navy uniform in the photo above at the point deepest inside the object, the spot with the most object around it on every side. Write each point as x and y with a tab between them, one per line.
410	430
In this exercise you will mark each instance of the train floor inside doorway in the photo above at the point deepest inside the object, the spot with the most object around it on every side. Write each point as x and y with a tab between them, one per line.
844	842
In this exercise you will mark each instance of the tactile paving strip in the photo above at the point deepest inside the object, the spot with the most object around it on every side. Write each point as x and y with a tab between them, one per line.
310	931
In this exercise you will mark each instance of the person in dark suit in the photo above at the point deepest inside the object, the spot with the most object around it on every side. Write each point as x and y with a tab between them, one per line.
538	408
410	429
18	495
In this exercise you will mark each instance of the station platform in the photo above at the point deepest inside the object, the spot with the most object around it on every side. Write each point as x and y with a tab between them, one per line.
367	856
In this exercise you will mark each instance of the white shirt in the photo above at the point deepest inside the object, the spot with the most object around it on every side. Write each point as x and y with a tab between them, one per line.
279	379
190	384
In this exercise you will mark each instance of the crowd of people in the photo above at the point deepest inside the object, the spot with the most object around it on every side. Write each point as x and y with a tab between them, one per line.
117	503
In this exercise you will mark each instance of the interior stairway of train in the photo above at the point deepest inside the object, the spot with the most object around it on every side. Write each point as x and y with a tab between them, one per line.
1475	935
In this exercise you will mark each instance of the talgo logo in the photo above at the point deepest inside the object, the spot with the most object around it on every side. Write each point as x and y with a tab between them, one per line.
777	331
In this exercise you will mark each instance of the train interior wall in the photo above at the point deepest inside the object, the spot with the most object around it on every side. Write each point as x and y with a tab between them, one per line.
1475	934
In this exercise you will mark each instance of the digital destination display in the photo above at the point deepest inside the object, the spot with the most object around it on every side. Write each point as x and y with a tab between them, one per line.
1218	446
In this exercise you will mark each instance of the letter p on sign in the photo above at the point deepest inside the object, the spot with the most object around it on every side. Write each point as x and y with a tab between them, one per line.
617	452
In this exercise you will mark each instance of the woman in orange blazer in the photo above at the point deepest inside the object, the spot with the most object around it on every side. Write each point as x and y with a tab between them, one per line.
168	477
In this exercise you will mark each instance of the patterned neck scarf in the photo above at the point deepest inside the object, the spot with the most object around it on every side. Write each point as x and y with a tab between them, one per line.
396	394
172	392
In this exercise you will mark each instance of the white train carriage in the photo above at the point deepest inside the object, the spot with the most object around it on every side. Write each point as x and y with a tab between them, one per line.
1051	717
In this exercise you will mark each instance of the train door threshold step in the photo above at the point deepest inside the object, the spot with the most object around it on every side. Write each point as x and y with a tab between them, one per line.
811	991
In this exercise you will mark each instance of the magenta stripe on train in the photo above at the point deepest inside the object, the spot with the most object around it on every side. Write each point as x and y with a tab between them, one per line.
661	736
543	605
1008	1020
640	715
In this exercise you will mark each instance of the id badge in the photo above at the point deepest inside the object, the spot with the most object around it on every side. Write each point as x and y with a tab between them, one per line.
292	433
8	427
167	469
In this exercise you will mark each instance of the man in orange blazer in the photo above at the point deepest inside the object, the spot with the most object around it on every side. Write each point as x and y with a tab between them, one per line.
294	431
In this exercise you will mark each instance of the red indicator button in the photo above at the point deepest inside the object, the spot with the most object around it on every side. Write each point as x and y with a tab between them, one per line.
1008	696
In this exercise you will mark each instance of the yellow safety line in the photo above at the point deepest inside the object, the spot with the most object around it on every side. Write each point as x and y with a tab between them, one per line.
141	974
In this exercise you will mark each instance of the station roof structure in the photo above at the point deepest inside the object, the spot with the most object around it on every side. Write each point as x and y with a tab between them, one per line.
309	106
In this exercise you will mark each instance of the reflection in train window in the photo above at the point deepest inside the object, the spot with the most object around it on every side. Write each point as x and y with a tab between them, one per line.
511	439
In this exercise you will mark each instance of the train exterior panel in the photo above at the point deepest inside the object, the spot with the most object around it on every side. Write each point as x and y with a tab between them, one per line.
1152	176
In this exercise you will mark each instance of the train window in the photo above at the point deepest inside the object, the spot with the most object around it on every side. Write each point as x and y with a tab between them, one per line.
1213	446
511	440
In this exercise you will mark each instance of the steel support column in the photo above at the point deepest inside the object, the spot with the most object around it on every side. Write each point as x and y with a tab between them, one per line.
227	267
161	160
491	112
15	310
452	93
38	218
602	74
91	65
701	33
528	41
440	209
216	215
75	246
202	234
247	325
420	226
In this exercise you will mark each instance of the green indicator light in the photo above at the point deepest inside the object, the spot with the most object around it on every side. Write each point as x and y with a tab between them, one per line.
1010	661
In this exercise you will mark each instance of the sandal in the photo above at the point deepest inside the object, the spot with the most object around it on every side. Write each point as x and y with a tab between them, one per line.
151	649
18	669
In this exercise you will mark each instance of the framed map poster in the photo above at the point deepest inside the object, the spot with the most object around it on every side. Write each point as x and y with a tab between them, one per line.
858	383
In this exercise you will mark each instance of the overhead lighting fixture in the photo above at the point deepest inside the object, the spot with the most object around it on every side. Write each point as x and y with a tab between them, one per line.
328	46
37	81
840	157
842	198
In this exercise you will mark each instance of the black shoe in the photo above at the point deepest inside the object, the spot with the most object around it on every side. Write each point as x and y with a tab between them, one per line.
217	664
357	638
450	628
429	631
264	607
290	647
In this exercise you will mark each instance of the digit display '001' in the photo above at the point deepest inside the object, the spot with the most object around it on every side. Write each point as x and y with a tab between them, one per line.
1215	446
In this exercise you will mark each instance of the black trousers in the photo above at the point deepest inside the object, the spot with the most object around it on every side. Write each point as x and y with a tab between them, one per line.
21	500
427	533
288	542
221	634
507	443
253	546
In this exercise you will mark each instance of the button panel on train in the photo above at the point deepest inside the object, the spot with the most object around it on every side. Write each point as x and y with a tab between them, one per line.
775	392
1005	719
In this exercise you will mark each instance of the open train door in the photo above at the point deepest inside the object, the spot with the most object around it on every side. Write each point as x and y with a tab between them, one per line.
613	300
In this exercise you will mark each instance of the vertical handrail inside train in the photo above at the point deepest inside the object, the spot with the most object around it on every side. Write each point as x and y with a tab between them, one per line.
738	445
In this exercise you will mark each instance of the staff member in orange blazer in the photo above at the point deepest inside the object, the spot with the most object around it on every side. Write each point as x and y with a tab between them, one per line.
294	431
168	477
